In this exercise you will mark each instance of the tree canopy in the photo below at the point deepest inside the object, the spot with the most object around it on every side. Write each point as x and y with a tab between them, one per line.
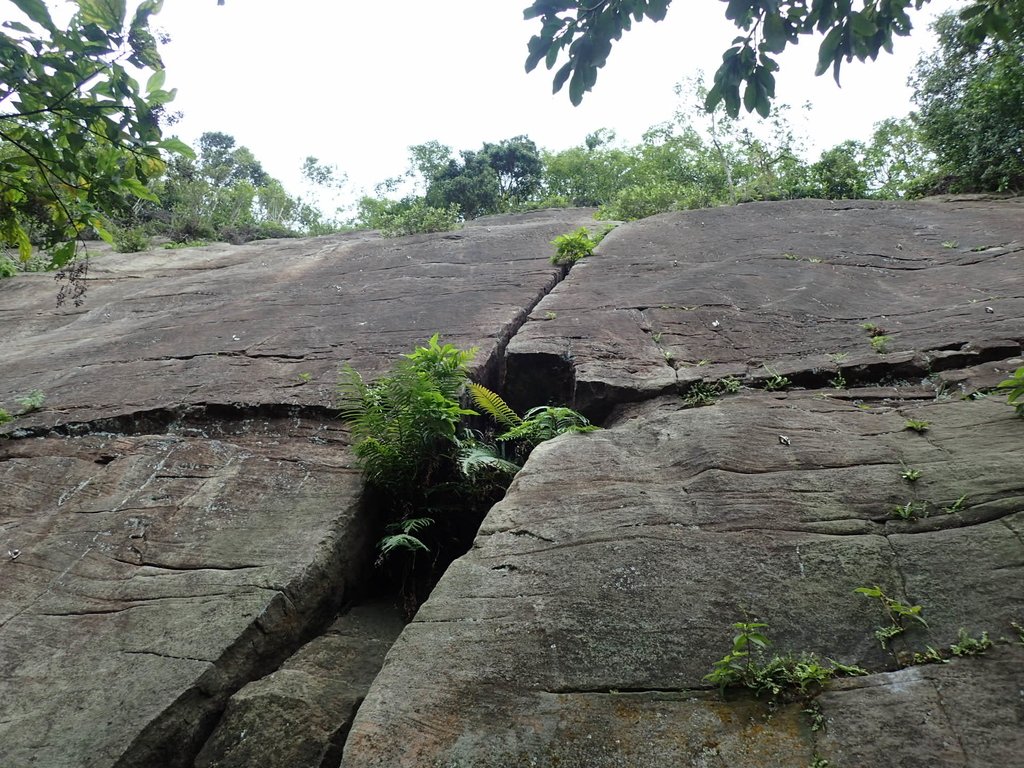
584	31
78	133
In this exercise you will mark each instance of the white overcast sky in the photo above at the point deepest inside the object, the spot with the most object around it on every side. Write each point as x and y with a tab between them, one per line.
356	83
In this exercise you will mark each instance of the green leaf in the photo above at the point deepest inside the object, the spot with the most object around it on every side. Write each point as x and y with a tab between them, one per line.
827	50
108	14
178	147
156	81
35	10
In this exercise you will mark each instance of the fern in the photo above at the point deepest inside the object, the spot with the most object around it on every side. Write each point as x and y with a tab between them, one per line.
491	403
476	458
547	421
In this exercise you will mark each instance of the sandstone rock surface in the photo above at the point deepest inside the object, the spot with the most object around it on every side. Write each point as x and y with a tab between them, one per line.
578	630
182	513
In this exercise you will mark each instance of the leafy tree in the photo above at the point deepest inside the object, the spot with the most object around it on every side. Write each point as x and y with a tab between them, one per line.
840	173
971	98
471	184
519	169
896	158
78	134
585	29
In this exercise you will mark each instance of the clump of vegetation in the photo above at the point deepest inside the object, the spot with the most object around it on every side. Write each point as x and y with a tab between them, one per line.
970	646
917	425
5	416
912	510
910	475
574	246
129	239
880	343
420	218
433	477
33	401
1014	387
775	382
897	612
747	665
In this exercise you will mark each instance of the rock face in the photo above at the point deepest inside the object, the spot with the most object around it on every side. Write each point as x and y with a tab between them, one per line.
580	627
182	517
182	512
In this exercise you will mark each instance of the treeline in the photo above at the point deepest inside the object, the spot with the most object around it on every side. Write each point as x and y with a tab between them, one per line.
222	193
967	135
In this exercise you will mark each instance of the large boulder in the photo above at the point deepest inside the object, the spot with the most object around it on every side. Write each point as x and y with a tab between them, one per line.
182	512
579	629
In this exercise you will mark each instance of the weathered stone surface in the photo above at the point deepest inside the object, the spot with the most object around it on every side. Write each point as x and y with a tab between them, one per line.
729	291
618	560
578	630
182	512
299	715
153	574
248	324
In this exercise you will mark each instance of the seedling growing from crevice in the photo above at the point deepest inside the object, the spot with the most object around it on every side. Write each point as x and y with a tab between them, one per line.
956	506
911	475
775	382
912	510
880	344
838	381
897	612
305	377
33	401
701	393
730	385
929	655
970	646
917	425
745	666
950	244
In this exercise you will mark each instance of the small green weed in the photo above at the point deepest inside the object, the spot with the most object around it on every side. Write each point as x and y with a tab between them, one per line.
791	256
896	611
1019	629
819	762
571	248
550	315
745	666
970	646
700	393
775	382
730	385
956	506
838	357
950	244
880	343
33	401
1015	390
910	475
815	716
929	655
305	377
917	425
5	416
912	510
871	328
838	381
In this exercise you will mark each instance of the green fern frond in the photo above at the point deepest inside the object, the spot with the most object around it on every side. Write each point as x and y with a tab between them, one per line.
477	458
400	541
491	403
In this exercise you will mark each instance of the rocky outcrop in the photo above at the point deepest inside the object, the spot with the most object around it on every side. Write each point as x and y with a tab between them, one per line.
579	629
182	521
182	512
